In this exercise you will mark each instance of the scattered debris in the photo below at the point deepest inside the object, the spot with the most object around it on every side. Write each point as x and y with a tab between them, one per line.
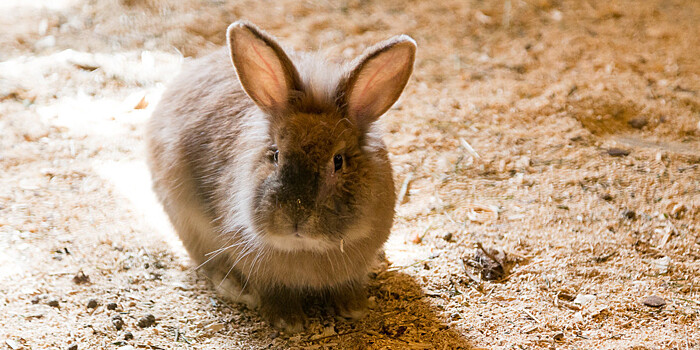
81	278
604	258
418	238
214	327
654	301
118	322
618	152
13	344
662	264
583	299
638	122
481	213
447	237
678	210
493	263
629	214
142	104
404	188
146	321
467	147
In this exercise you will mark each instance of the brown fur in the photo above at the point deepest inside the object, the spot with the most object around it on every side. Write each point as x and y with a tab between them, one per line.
210	149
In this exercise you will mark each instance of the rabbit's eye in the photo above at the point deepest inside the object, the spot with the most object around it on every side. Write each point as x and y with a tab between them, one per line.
273	154
338	162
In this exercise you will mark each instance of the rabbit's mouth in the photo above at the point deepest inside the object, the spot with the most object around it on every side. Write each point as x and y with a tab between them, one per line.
299	241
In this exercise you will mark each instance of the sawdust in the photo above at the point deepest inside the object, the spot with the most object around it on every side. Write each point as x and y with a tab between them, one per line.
540	91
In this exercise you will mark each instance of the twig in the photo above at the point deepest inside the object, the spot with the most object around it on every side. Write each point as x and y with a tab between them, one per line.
404	187
468	148
531	315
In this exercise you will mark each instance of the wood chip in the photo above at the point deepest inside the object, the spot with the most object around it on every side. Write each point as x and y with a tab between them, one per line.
13	344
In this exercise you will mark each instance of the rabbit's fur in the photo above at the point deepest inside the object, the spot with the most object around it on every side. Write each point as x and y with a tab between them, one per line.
273	173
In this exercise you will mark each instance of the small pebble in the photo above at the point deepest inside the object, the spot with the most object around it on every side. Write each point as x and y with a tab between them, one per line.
146	321
654	301
448	237
128	336
112	306
73	347
638	123
92	303
81	278
618	152
53	303
117	322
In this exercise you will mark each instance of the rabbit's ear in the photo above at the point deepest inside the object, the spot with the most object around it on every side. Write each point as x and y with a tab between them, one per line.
263	68
377	79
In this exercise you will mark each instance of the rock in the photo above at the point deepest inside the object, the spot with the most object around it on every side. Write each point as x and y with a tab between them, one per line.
92	303
81	278
638	122
112	306
618	152
117	322
654	301
146	321
73	347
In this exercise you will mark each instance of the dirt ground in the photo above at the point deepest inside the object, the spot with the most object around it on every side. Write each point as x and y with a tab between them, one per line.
562	137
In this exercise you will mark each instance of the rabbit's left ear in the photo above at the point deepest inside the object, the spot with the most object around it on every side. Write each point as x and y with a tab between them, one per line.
377	79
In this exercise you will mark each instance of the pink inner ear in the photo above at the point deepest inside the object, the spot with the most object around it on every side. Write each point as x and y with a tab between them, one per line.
379	83
267	69
260	69
370	81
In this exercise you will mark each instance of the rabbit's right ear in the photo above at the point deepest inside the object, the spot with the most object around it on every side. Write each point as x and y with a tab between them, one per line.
377	79
263	68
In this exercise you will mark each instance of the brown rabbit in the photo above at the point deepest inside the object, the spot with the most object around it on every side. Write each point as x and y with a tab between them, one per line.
273	172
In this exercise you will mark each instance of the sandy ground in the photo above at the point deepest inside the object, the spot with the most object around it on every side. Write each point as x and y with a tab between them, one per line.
583	185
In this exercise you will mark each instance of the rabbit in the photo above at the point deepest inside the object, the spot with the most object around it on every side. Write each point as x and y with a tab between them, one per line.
273	172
